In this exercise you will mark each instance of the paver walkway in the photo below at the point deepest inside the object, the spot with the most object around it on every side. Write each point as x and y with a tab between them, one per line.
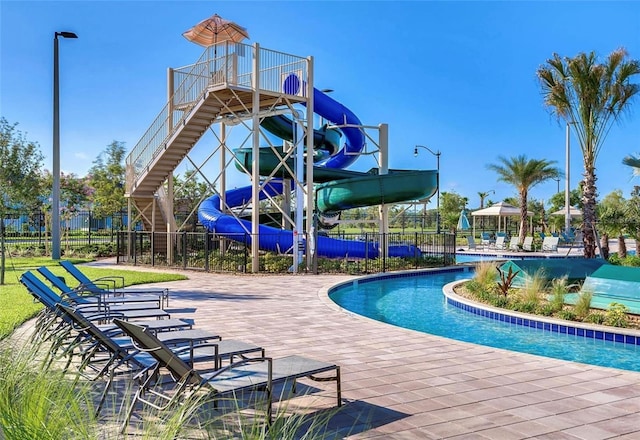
402	384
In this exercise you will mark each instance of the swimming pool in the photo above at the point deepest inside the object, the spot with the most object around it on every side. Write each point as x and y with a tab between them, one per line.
417	303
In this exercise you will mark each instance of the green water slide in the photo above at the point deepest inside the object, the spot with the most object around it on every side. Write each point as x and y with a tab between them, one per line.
344	189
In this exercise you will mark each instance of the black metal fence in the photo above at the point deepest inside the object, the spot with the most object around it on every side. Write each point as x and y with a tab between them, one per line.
217	253
81	231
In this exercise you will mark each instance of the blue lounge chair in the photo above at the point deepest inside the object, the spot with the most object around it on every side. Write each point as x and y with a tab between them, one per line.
108	285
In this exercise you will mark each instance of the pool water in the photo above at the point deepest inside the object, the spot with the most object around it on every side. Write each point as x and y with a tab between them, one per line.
418	303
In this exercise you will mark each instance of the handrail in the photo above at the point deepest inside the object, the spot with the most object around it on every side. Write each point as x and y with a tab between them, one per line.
225	63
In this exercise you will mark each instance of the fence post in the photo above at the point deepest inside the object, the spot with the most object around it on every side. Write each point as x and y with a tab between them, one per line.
207	238
89	229
244	266
133	244
184	249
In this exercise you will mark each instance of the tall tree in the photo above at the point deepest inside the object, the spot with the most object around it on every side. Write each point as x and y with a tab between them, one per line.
524	174
613	221
20	164
451	205
591	95
107	177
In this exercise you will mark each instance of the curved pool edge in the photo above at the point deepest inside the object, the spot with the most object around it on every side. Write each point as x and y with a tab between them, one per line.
325	291
579	329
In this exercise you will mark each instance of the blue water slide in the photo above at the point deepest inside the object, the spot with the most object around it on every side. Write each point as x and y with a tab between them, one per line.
281	240
333	111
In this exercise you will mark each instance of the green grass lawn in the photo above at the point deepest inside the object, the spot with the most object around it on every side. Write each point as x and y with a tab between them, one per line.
17	305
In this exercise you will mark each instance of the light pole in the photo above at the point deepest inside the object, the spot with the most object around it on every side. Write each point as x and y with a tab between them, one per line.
55	193
437	155
558	182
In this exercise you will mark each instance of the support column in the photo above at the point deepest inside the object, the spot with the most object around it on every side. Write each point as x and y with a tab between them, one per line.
311	226
255	165
383	148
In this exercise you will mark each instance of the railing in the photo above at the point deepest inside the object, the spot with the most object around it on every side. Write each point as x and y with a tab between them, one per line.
216	253
226	63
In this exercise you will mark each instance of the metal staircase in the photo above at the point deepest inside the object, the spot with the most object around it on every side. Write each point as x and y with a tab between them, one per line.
227	81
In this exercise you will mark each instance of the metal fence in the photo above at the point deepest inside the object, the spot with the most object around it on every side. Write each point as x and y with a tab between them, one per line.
81	231
215	253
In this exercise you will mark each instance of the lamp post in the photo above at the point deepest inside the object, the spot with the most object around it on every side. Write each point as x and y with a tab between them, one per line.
558	182
437	155
55	193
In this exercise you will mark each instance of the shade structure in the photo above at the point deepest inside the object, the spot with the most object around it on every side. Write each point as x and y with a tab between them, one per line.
573	212
500	210
214	30
463	221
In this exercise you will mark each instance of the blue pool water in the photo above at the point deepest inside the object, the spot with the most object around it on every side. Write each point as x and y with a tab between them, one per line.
418	303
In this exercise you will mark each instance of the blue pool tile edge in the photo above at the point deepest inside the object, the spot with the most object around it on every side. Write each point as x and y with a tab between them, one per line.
547	324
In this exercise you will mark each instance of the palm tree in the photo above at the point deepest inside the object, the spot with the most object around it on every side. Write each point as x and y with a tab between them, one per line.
524	174
633	162
590	95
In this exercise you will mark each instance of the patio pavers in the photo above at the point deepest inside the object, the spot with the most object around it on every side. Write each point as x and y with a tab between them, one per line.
402	384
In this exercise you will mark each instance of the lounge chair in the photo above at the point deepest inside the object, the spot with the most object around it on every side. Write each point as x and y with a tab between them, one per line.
514	244
527	244
550	244
257	374
472	245
110	284
103	312
85	296
53	326
485	239
106	355
500	243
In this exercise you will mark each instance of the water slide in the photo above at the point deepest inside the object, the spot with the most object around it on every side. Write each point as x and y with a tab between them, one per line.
341	189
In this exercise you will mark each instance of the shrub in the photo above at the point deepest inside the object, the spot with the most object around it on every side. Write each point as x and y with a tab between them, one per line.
558	290
583	304
546	309
533	289
485	274
616	315
567	315
595	318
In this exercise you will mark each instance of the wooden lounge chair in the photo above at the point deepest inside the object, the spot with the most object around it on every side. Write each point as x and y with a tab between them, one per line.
256	374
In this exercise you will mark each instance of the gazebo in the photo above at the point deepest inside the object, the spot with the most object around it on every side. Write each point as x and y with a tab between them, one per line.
500	210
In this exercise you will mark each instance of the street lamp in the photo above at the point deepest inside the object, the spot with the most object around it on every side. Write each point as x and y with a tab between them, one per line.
55	194
437	155
557	179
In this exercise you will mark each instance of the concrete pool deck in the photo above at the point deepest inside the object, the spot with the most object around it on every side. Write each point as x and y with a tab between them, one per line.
402	384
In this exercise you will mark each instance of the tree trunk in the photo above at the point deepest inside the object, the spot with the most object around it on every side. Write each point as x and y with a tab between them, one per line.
589	212
2	256
523	216
604	244
622	247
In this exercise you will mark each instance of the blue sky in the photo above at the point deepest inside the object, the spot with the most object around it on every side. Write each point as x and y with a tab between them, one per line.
458	77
